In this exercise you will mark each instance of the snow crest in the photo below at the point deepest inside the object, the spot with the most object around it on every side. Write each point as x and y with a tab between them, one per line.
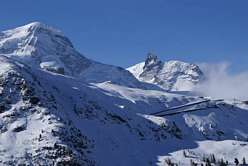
170	75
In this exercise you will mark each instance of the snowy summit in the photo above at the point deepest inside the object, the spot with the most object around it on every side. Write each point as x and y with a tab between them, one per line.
170	75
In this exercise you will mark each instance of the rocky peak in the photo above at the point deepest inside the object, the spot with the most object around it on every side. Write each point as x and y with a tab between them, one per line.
151	60
170	75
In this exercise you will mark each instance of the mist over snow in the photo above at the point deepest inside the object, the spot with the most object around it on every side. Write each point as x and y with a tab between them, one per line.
221	83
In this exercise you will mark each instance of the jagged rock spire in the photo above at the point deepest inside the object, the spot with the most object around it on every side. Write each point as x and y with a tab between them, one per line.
151	60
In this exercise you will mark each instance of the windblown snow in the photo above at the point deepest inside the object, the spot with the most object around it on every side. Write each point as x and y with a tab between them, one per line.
58	107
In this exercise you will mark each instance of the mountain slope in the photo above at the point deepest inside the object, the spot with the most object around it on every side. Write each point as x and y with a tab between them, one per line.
29	123
171	75
51	119
48	118
44	47
65	120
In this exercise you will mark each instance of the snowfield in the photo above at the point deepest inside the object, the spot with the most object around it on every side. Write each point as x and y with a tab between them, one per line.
58	107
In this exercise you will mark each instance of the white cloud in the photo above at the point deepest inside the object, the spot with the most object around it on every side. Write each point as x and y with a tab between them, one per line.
220	83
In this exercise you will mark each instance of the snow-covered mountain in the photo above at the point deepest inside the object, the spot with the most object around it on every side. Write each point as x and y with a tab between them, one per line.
47	48
170	75
58	107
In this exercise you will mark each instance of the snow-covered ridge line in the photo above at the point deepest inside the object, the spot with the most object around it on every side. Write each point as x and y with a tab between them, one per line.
170	75
43	47
35	25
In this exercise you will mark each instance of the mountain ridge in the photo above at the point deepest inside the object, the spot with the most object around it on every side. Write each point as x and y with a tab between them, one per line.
171	75
100	118
44	47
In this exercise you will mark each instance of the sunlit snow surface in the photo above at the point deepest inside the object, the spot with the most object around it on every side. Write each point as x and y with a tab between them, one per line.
170	75
96	114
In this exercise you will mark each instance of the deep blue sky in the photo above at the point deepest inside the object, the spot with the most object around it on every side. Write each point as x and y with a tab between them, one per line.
121	32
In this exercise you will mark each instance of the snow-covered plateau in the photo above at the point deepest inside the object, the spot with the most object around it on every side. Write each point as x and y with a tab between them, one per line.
58	107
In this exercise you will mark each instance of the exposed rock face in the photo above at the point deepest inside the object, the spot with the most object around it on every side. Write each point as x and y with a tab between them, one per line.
151	61
30	128
170	75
